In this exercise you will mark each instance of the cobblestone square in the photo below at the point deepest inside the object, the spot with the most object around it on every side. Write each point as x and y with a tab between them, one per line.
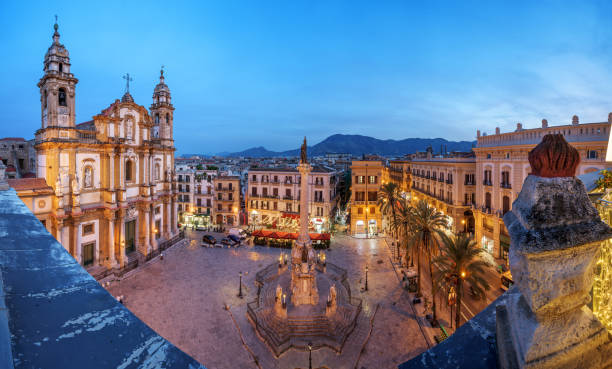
183	297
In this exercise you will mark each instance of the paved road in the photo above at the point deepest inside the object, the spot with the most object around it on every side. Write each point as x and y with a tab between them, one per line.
184	296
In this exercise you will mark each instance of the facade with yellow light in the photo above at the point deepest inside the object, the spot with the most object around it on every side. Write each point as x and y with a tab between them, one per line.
226	209
448	185
273	198
502	166
367	177
113	195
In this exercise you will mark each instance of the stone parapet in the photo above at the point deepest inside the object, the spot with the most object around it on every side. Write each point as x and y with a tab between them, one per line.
58	315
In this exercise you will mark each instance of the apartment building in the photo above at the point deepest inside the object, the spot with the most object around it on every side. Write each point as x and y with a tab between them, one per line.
273	197
398	172
19	157
448	183
196	194
481	189
502	166
226	207
367	177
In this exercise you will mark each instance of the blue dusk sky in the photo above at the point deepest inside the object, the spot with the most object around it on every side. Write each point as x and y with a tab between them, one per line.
266	73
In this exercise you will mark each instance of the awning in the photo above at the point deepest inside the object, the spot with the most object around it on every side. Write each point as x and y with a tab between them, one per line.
290	236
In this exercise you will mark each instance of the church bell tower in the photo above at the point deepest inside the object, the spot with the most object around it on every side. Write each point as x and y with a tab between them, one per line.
162	110
57	86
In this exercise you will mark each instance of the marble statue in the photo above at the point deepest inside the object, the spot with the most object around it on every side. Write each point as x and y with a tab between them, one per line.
88	181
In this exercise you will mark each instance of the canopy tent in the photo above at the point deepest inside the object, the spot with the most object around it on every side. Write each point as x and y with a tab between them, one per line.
290	236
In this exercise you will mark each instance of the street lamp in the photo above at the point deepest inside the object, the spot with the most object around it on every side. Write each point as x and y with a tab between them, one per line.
309	355
240	288
366	278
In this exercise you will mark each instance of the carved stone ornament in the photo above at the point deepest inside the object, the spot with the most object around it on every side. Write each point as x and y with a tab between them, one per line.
554	157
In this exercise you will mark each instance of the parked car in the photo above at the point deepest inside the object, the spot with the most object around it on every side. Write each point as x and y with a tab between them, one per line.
200	228
238	232
235	239
227	242
208	239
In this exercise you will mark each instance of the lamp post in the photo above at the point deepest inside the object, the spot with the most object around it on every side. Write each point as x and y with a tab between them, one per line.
366	278
309	355
240	288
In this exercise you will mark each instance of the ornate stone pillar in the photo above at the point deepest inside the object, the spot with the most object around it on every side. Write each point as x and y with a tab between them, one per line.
110	261
167	216
152	228
146	169
122	258
111	171
146	227
121	171
556	235
77	242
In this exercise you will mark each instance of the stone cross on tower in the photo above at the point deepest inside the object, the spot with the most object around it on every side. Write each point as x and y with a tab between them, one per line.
128	79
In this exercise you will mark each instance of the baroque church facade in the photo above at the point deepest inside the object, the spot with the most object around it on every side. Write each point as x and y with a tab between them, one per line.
114	196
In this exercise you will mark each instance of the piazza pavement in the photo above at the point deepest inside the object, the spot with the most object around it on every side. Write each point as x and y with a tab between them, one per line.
190	298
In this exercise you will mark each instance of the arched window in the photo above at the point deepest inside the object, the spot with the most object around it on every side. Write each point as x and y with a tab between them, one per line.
45	99
128	170
157	172
61	67
488	201
156	118
61	97
167	118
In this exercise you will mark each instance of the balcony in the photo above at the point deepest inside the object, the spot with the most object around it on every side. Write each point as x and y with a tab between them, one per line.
449	181
470	183
287	197
487	183
505	185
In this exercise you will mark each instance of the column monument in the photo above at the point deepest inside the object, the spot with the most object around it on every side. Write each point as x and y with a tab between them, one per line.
303	278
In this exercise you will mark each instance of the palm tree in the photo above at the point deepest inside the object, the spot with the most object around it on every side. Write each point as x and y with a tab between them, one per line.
458	263
388	196
402	224
427	222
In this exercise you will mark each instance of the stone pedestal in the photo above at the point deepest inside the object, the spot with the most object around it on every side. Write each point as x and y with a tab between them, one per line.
555	239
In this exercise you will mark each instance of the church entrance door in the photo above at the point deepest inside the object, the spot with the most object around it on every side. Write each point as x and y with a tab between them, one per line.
130	236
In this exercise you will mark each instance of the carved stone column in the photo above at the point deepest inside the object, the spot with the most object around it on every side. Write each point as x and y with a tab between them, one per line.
120	220
556	235
111	172
110	260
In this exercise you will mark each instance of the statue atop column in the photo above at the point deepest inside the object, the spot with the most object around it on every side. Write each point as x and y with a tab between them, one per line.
303	283
303	155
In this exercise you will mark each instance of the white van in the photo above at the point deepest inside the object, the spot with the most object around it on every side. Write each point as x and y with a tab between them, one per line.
238	232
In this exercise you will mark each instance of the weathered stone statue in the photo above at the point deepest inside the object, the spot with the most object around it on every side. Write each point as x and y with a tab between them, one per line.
88	180
555	240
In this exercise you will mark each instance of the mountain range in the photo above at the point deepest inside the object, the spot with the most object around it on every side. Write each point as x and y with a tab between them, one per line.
357	145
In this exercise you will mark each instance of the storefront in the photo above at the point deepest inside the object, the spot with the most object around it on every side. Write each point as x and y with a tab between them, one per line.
504	245
487	244
319	225
372	227
196	220
359	227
